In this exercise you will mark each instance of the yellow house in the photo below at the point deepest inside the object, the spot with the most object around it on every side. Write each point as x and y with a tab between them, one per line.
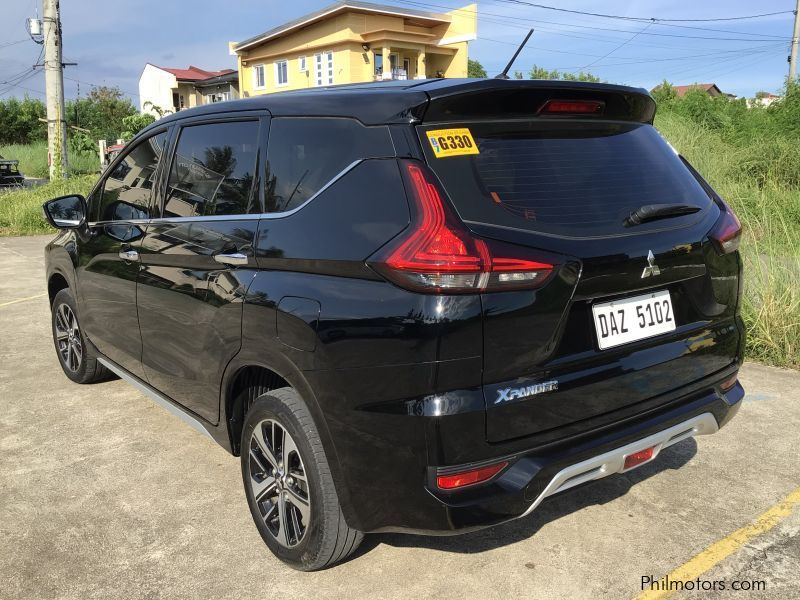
353	41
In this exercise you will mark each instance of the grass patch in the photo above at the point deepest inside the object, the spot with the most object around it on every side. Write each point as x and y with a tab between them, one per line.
21	211
33	159
760	179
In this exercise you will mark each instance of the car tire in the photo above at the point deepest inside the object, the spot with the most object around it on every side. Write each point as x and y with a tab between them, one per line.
76	357
289	487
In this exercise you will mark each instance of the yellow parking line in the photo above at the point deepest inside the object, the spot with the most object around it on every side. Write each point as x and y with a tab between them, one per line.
23	299
719	551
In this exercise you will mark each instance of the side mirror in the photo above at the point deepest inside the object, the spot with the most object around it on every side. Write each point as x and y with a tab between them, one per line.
65	212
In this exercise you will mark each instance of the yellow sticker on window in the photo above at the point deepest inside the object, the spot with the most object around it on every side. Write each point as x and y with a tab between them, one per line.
452	142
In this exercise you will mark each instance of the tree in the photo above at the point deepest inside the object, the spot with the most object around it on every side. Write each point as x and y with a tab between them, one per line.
664	93
761	94
19	121
101	112
538	72
160	112
475	69
133	124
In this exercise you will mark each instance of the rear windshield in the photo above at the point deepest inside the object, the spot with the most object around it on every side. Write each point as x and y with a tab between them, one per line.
573	179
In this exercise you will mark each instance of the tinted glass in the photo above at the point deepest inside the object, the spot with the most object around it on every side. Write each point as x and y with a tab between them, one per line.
127	190
573	179
212	172
305	154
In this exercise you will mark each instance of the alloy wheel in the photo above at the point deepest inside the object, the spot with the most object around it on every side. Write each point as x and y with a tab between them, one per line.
279	483
68	338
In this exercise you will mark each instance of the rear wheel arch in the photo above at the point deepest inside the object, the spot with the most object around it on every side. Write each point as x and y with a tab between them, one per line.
247	384
246	381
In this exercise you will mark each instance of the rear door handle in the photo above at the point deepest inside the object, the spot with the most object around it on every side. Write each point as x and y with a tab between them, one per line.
232	259
129	255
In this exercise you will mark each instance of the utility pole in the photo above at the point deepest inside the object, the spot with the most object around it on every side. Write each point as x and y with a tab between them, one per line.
54	88
795	42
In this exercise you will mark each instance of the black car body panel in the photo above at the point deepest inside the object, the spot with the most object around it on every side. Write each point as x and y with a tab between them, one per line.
276	285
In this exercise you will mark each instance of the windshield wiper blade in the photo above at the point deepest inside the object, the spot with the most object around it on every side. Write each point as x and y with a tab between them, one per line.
652	212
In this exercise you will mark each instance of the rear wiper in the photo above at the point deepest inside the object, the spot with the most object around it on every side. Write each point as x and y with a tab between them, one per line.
652	212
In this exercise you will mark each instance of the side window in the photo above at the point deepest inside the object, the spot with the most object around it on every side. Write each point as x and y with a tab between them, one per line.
127	190
212	172
305	154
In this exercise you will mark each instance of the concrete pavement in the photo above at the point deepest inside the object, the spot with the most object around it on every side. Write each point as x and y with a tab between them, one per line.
105	495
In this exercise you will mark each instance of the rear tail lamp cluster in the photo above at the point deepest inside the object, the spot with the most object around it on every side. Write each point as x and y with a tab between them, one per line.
438	254
727	231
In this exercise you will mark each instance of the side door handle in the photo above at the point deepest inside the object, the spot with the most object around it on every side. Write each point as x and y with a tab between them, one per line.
129	255
233	259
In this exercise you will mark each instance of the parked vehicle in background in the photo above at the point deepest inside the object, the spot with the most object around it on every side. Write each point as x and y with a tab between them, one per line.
408	306
10	177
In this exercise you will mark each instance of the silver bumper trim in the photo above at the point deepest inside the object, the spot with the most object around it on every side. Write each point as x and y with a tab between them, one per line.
614	461
164	402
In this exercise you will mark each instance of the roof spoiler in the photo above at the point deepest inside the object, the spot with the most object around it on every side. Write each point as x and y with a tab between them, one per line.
492	98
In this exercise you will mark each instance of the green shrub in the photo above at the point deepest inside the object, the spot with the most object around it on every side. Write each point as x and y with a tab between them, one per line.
33	159
21	210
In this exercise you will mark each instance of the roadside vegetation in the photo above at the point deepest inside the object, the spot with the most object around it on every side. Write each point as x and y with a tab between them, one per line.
32	159
750	155
21	211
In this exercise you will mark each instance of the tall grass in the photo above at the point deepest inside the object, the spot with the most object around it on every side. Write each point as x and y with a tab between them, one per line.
760	179
33	159
21	210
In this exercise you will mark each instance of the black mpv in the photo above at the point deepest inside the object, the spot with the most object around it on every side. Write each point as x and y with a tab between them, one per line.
419	306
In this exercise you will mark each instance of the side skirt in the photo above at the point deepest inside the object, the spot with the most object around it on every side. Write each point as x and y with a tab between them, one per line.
166	403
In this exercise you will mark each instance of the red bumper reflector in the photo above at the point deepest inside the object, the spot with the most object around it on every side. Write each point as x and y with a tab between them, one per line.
637	458
465	478
728	384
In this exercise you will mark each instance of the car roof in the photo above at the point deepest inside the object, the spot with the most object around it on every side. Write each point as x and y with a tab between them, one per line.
384	101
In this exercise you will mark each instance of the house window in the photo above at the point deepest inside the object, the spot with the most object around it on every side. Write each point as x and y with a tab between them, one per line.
259	81
302	63
323	68
281	73
220	97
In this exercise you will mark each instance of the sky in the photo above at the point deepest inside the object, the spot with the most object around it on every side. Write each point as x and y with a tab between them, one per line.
111	40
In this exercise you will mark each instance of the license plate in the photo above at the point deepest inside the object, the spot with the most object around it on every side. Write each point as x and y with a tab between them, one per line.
631	319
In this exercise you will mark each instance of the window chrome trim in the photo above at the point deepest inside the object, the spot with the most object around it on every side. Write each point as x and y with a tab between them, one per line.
246	217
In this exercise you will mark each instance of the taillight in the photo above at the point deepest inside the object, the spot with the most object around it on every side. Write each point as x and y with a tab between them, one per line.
727	231
727	385
573	107
438	254
464	478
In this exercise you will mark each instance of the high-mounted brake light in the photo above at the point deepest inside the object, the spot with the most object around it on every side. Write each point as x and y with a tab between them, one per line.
438	254
727	231
465	478
573	107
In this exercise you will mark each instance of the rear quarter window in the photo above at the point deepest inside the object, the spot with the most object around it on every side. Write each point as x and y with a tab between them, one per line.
305	154
572	179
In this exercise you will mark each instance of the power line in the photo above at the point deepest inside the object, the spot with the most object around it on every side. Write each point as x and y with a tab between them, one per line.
630	39
626	18
480	14
7	44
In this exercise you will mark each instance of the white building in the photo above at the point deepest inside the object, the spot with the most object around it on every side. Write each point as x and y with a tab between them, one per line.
176	89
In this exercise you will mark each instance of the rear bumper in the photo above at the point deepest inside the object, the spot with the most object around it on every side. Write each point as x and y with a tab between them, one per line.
537	474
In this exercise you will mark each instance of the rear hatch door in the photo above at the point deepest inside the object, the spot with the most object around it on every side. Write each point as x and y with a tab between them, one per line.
567	184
